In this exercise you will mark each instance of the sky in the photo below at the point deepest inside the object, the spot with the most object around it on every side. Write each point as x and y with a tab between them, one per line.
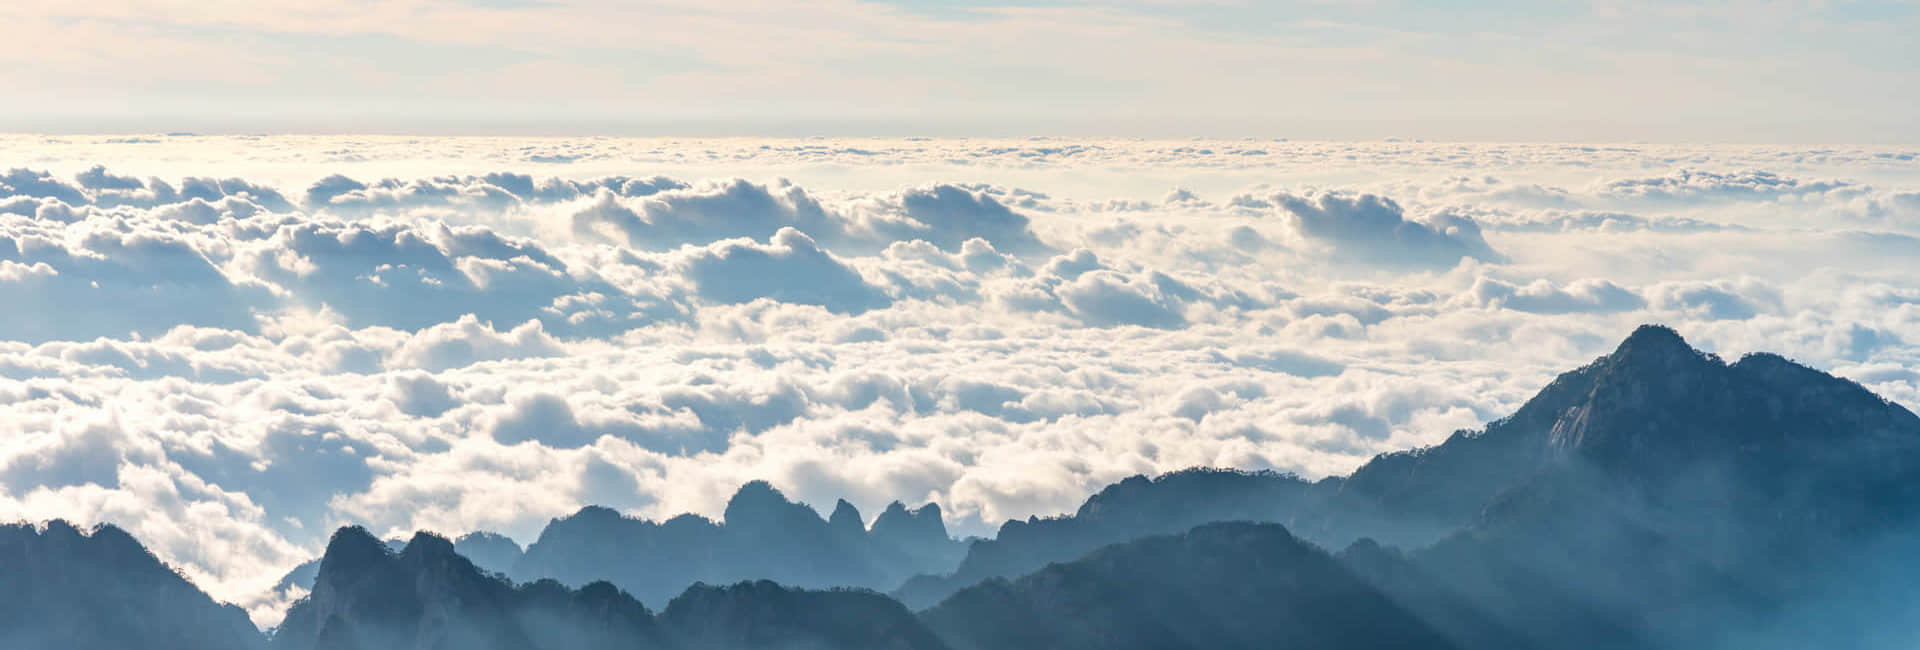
1791	71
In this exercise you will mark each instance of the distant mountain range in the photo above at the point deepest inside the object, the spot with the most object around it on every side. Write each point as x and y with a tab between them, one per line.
1659	497
428	596
763	536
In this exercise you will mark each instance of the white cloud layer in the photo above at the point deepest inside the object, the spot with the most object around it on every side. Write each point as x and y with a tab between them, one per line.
230	368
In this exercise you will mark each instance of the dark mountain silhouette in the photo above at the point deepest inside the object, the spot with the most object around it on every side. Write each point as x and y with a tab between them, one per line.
1220	586
367	597
1409	498
1660	497
491	552
61	588
908	541
763	537
762	614
1133	508
1656	498
1655	402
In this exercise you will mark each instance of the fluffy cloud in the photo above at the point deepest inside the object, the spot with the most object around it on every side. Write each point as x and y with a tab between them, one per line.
944	216
495	192
789	268
1700	185
468	341
999	326
735	209
1542	297
110	276
1374	230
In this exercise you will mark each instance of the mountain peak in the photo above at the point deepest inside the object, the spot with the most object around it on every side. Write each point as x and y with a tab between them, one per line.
1654	396
760	506
597	513
899	524
1655	333
1657	343
350	547
754	494
846	519
429	545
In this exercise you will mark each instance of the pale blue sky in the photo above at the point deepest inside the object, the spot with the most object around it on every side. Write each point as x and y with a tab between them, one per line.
1834	71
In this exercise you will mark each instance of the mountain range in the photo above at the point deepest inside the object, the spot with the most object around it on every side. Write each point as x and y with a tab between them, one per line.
1659	497
762	536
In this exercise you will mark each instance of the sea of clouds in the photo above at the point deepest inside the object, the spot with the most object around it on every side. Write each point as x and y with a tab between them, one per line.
231	345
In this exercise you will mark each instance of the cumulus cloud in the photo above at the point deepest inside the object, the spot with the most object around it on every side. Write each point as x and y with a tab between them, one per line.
944	216
1739	299
232	367
495	192
1375	230
1543	297
734	209
948	216
468	341
420	394
789	268
108	277
97	187
1104	298
1701	185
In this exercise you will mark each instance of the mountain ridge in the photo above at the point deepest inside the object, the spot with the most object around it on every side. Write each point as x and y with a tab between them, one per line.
1657	497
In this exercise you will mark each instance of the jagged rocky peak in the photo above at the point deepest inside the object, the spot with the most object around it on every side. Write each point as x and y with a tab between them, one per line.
1655	362
427	545
431	553
899	523
429	596
353	549
1626	402
1656	343
1657	401
846	519
1654	407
